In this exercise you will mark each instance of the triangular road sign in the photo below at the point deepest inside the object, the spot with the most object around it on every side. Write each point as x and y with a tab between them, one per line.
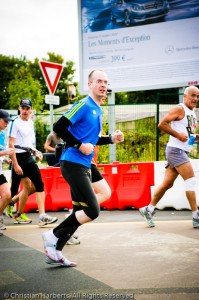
51	72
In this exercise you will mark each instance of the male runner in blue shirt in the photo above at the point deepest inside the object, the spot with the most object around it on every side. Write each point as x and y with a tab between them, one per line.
84	122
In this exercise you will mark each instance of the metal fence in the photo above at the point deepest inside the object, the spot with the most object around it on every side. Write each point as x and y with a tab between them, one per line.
138	122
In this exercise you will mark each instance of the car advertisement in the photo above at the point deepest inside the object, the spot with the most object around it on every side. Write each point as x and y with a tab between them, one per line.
141	44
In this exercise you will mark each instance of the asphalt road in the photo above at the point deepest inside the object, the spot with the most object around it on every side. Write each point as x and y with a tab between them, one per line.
118	258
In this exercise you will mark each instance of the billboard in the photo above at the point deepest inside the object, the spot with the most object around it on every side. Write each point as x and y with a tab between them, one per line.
141	44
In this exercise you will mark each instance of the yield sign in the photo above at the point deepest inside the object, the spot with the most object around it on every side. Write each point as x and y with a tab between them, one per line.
51	72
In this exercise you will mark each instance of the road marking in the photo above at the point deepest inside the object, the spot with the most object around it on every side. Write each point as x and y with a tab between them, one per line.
28	226
9	277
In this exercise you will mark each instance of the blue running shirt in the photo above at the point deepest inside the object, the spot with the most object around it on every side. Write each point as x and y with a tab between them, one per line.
2	140
86	119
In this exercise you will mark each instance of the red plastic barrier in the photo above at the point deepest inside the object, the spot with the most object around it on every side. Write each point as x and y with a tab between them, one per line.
60	192
134	186
130	184
111	175
57	192
31	204
47	177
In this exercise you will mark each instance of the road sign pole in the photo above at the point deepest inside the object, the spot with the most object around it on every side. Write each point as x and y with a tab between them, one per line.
51	100
51	117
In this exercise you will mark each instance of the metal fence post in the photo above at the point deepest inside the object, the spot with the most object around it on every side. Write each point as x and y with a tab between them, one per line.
111	122
157	129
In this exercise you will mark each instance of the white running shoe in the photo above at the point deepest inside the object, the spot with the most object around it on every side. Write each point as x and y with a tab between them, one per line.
147	215
196	223
2	225
73	241
46	219
62	262
49	246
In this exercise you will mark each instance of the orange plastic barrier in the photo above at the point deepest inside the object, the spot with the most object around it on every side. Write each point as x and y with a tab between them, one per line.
111	175
60	192
134	186
47	177
31	204
130	184
57	191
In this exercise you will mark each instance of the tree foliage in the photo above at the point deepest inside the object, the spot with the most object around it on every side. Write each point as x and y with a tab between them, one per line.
22	78
148	96
25	86
9	67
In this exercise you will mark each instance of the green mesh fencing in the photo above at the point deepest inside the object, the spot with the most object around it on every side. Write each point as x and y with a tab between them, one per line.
138	122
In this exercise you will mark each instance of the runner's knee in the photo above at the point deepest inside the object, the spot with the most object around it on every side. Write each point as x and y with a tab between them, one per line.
190	184
92	212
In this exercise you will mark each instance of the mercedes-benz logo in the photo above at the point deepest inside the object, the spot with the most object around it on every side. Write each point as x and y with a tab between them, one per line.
169	49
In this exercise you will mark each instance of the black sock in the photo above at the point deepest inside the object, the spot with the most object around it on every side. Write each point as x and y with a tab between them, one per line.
17	214
65	230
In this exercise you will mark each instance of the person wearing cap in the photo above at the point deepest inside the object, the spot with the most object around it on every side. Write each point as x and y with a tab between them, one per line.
5	194
21	136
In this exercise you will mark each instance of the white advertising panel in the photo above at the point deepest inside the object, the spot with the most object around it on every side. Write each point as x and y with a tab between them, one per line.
141	44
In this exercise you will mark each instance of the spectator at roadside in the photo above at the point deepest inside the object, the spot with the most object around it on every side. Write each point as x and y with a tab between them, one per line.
51	141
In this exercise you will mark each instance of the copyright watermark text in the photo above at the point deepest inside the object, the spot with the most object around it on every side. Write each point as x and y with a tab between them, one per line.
89	296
